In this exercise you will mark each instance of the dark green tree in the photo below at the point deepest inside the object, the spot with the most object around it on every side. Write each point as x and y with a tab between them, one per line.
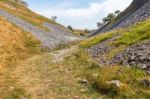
70	28
117	12
54	18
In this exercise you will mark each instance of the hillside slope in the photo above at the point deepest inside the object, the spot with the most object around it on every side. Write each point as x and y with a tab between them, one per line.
128	49
45	30
118	69
138	10
15	44
120	46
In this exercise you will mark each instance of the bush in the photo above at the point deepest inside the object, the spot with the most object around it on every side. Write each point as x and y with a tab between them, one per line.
70	28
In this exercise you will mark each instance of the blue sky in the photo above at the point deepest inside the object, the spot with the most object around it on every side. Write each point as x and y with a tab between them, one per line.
77	13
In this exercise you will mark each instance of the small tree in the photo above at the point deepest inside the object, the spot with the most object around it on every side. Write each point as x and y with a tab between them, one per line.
70	28
117	12
106	20
109	18
54	18
99	24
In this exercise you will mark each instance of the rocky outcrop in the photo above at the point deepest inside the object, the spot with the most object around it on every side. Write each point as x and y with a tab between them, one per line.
49	40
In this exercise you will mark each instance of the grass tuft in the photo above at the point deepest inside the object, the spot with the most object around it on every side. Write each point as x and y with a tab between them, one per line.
128	76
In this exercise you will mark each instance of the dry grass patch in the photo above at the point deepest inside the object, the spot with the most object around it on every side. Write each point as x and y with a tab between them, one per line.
15	44
128	76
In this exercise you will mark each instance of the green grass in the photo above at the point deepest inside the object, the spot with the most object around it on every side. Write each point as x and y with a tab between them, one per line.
97	39
62	80
135	34
128	76
99	77
129	36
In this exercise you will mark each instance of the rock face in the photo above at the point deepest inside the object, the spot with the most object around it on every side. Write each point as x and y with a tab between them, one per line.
139	10
49	40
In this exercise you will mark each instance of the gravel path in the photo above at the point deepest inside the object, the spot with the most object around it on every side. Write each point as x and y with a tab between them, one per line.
58	56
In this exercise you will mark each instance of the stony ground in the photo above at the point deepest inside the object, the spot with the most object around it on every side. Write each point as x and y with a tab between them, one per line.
100	50
136	55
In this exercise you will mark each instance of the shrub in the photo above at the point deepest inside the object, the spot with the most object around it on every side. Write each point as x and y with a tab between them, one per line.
70	28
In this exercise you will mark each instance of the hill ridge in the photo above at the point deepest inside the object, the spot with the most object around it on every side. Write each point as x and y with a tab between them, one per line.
136	12
49	40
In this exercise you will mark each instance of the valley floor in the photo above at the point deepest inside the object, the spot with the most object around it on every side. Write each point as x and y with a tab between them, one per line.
69	73
45	76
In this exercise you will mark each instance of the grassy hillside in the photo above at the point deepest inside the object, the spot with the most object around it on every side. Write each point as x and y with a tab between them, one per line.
26	14
127	37
15	44
67	72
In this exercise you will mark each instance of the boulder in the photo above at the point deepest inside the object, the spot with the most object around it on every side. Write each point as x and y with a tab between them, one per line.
117	83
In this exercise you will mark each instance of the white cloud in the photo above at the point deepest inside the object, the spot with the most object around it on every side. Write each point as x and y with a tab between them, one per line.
84	17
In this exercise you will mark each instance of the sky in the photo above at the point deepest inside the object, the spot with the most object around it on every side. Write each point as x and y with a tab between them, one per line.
79	14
